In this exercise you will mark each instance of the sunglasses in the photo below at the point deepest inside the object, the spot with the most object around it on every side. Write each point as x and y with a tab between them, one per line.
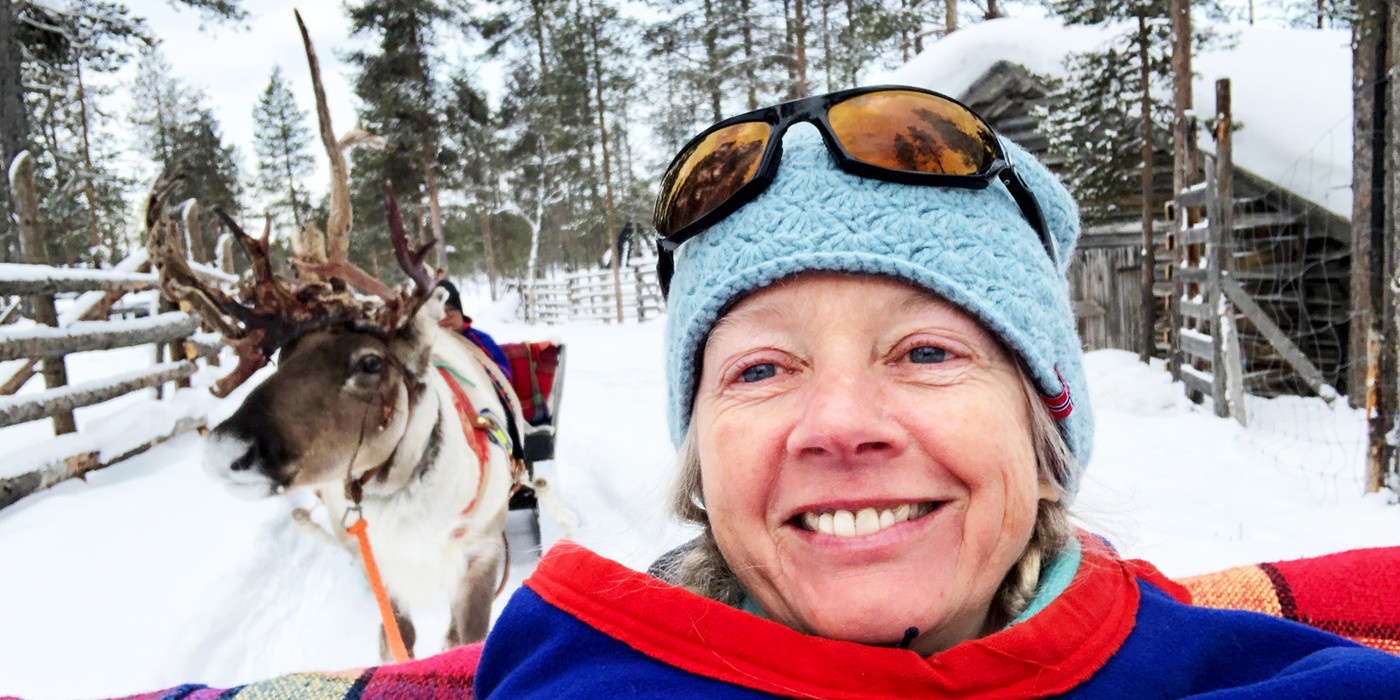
897	134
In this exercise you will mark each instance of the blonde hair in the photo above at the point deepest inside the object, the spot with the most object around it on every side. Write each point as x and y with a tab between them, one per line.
704	571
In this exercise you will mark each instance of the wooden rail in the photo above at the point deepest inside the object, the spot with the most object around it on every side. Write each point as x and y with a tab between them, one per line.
22	409
41	342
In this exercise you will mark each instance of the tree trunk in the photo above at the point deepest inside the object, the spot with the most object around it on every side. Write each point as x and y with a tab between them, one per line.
1183	171
1149	245
1383	395
14	119
1368	57
993	11
826	44
428	149
488	247
89	189
799	26
950	17
711	60
32	248
607	161
746	6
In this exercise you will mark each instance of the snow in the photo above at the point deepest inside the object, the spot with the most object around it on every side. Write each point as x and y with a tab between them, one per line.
1297	137
151	574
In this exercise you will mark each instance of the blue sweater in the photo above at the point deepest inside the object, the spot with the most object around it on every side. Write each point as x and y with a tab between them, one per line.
586	627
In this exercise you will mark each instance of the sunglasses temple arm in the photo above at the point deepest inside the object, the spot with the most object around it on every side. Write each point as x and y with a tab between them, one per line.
1030	208
665	268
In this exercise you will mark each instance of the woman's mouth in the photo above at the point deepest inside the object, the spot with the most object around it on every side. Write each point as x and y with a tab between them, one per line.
866	521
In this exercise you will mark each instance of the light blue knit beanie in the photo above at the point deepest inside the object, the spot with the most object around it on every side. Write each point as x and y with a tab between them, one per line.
973	248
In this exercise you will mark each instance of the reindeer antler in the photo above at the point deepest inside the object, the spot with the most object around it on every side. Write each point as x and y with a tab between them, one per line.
267	311
411	261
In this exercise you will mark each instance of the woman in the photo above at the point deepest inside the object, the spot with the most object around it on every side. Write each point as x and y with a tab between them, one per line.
876	388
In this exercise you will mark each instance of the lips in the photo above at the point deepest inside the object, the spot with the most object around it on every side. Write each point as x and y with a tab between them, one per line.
866	521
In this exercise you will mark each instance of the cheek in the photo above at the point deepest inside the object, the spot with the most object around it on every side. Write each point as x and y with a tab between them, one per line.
739	458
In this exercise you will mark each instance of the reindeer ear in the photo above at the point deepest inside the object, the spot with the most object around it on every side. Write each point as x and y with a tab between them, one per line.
435	308
414	348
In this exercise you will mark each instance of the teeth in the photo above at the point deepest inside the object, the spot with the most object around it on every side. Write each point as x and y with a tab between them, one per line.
843	523
867	521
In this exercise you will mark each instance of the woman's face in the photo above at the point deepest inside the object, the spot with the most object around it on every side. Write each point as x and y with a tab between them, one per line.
866	459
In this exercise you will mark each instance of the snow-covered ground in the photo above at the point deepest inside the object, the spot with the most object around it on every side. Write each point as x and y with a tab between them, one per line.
149	574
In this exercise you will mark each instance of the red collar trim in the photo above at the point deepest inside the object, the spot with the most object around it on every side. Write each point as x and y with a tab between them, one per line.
1069	641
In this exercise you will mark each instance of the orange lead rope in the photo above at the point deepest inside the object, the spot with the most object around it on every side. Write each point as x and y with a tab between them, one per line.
386	611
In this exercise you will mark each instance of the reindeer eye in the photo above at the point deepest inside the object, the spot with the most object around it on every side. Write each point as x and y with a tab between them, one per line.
371	364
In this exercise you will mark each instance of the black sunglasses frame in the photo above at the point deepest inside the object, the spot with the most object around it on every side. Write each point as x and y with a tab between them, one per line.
814	110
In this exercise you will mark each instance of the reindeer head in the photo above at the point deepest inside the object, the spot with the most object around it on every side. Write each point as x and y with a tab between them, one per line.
337	406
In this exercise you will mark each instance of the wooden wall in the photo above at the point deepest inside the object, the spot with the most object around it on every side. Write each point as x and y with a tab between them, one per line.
1104	288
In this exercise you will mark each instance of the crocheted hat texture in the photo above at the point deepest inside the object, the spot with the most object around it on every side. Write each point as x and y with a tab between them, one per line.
973	248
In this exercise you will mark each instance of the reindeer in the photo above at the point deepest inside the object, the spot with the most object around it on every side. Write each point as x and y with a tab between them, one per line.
384	414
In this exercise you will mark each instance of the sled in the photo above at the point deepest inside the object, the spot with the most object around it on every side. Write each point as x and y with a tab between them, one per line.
538	380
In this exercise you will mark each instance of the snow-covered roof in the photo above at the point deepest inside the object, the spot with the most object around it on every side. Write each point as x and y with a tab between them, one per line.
1291	91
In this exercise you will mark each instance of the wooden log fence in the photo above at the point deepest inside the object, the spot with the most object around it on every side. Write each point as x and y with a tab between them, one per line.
1208	299
83	327
591	294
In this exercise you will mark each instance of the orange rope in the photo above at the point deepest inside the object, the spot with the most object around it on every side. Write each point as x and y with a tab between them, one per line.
386	611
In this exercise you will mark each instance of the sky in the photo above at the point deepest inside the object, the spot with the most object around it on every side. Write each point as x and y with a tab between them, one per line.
231	62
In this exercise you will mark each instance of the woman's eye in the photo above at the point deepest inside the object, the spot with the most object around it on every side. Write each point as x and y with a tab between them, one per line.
758	373
927	354
371	364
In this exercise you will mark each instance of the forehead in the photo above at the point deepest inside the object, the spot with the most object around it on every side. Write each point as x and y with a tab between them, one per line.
329	343
869	298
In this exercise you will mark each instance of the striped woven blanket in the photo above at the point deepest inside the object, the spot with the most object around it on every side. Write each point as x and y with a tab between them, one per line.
1352	594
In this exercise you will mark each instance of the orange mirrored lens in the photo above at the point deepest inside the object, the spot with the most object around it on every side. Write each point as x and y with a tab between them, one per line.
913	131
711	172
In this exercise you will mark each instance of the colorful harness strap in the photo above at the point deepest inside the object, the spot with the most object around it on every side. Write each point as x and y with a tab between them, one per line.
472	426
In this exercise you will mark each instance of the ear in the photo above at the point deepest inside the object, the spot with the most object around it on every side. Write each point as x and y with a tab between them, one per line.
434	309
414	345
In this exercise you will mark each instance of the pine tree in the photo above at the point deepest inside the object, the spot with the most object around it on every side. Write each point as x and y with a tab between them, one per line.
1093	118
82	19
82	205
401	101
176	130
282	143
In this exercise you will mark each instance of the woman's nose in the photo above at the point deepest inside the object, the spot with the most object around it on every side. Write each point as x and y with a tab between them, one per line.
844	418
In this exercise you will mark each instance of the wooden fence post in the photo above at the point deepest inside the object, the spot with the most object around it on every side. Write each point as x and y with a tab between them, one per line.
1183	147
1220	207
31	230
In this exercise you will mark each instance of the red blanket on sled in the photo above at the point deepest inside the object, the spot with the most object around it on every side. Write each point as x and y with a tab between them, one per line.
532	366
